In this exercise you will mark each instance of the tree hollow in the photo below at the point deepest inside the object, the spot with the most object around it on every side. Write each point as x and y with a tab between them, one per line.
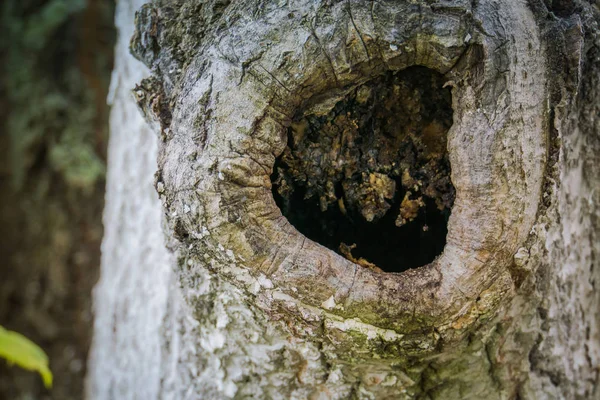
370	179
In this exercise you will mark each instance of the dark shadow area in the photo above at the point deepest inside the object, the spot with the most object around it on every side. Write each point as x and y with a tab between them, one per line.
392	248
55	61
371	179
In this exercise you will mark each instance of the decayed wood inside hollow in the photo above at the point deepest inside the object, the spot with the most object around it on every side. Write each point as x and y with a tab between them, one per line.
371	178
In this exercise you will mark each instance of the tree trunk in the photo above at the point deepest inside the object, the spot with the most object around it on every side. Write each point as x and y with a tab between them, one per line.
452	146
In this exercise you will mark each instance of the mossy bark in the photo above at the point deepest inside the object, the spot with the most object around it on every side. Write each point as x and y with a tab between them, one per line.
252	308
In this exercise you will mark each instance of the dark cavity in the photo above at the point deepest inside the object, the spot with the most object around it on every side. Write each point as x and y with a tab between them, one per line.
371	179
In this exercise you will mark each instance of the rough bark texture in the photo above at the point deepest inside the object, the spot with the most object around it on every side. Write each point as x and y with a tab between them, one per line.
55	63
254	309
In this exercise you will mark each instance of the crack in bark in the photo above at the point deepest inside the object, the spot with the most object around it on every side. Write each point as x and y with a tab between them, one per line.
357	31
325	54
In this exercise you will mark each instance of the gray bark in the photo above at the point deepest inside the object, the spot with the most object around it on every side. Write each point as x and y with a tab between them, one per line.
248	307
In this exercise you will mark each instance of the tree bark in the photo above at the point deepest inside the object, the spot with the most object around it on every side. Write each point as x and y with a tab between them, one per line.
247	306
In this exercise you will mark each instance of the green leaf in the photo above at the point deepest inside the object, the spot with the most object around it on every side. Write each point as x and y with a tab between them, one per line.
17	349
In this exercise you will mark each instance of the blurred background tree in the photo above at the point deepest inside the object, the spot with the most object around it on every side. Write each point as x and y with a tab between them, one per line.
56	58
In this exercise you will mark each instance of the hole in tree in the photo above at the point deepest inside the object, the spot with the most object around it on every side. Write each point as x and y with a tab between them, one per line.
371	179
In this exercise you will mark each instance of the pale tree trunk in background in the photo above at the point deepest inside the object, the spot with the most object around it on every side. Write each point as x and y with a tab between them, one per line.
245	306
136	283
